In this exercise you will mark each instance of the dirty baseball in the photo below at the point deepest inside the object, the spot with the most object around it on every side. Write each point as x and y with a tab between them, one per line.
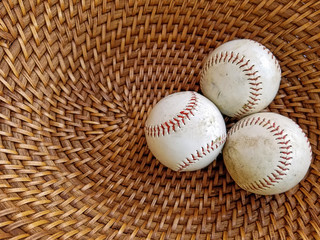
241	77
267	153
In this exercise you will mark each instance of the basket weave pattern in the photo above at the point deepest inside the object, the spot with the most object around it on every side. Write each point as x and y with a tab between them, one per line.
77	81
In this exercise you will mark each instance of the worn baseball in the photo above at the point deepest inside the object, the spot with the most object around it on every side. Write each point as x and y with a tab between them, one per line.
267	153
241	77
185	131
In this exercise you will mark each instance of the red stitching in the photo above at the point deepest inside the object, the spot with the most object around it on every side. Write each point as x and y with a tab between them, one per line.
172	124
284	151
248	70
253	79
309	145
231	56
225	58
271	54
253	73
213	145
240	61
221	56
246	64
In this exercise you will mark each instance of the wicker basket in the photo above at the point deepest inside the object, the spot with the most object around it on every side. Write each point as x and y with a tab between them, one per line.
77	80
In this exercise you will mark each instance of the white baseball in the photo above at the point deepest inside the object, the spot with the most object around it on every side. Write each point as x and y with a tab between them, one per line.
241	77
185	131
267	153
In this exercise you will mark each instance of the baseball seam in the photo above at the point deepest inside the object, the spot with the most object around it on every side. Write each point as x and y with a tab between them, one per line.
271	54
248	69
309	145
193	158
284	147
171	125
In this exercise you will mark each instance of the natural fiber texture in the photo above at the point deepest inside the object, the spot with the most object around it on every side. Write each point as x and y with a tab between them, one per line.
77	81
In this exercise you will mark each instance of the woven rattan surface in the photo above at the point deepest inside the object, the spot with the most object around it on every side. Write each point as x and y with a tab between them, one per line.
77	81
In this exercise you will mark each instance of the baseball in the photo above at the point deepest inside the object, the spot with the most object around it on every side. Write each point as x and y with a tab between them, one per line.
267	153
185	131
241	77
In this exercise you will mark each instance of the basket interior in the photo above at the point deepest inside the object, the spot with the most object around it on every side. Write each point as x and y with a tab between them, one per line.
77	81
